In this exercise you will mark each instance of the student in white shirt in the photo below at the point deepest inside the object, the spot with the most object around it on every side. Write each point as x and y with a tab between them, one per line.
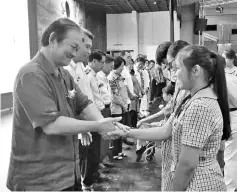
76	67
77	70
105	93
145	103
231	62
92	153
126	73
129	84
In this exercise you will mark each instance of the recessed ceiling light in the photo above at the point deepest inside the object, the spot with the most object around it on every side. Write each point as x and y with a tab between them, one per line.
154	2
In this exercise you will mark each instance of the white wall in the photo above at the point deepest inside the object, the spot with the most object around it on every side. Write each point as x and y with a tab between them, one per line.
121	32
154	28
141	32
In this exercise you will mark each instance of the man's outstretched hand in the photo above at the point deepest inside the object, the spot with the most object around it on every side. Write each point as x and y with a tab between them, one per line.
109	126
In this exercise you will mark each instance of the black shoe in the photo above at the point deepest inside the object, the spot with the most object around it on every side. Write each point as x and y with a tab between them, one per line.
108	165
130	143
98	188
105	170
140	153
122	155
102	178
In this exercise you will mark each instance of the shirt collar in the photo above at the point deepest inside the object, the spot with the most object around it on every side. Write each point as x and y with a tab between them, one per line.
73	65
115	74
45	63
205	93
91	71
102	74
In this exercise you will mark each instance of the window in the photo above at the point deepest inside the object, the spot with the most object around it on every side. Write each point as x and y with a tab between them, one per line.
234	31
211	28
15	49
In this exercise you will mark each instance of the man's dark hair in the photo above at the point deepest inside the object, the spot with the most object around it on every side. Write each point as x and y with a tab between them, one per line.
60	28
161	51
109	59
141	59
140	55
118	62
102	53
231	54
123	53
95	55
132	72
151	61
175	47
169	89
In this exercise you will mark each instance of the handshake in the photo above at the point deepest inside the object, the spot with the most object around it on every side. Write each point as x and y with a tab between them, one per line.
108	128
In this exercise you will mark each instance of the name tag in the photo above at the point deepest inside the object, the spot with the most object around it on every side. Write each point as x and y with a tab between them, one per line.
172	168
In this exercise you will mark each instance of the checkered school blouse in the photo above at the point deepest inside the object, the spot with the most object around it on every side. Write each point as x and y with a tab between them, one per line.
166	155
200	124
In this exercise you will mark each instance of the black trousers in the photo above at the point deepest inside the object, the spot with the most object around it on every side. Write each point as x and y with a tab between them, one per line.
104	146
117	143
133	117
75	187
90	159
156	89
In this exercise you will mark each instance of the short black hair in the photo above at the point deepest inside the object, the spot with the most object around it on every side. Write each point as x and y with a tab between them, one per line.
175	47
161	51
118	62
151	61
95	55
123	53
109	59
60	28
102	53
231	54
140	55
141	59
169	89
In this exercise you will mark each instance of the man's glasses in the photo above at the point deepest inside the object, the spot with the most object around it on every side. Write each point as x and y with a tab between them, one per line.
171	63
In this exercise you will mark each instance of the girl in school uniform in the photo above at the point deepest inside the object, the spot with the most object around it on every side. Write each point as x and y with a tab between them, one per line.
198	124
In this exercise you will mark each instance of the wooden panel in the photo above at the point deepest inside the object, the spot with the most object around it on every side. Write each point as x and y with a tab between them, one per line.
51	10
33	38
96	23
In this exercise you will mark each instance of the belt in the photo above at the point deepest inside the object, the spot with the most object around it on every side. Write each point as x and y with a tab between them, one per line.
107	106
233	109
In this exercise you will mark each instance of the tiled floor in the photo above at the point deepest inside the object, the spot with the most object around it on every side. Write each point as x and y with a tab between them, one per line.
126	176
131	176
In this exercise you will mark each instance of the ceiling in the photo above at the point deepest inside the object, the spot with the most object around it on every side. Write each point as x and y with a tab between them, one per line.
127	6
211	3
